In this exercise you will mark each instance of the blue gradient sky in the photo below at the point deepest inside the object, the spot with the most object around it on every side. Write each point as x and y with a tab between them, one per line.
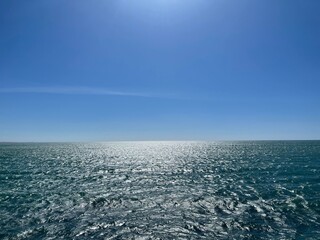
159	70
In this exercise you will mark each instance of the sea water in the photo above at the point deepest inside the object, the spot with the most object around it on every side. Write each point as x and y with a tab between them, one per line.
160	190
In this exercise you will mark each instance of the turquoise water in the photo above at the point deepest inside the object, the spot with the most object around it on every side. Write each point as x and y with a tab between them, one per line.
160	190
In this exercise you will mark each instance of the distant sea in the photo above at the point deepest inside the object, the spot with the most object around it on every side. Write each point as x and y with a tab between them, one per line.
160	190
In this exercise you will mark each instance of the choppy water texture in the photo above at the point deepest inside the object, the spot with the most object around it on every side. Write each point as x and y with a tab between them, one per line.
160	190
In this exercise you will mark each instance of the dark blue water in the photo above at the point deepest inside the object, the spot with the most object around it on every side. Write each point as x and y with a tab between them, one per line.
160	190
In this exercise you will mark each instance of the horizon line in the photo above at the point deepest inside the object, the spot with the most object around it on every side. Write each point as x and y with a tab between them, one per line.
103	141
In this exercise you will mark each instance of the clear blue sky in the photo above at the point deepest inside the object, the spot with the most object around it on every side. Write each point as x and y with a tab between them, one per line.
159	70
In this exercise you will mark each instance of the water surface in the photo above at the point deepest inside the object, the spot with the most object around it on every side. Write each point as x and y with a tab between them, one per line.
160	190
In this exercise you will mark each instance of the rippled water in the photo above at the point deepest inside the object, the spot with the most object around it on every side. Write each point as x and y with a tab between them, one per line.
160	190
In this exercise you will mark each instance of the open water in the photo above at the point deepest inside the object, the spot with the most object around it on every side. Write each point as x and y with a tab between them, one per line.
160	190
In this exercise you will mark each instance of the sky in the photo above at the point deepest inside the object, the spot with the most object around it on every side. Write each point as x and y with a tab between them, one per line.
159	70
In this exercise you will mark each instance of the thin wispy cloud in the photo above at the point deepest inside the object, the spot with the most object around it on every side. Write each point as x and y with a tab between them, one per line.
82	91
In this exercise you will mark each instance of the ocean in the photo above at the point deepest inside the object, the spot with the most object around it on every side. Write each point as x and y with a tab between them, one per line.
160	190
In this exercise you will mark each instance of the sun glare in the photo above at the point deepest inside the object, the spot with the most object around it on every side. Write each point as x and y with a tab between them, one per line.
160	6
